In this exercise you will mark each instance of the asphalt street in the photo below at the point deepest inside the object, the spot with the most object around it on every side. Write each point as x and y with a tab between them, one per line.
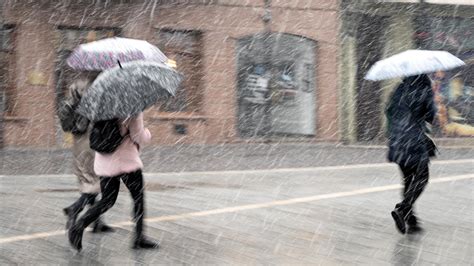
321	215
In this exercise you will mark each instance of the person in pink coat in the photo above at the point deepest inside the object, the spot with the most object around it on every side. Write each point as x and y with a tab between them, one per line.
123	164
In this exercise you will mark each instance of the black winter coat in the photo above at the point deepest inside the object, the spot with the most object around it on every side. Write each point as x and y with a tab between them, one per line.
411	106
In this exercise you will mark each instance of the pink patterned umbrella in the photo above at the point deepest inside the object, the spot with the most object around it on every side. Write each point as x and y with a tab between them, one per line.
107	53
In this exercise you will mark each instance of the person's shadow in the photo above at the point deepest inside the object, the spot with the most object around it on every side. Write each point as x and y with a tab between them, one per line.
407	250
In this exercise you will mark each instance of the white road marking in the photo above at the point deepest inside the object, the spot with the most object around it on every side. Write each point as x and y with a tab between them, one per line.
245	207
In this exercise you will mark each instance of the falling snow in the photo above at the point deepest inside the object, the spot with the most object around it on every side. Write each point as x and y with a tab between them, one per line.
275	148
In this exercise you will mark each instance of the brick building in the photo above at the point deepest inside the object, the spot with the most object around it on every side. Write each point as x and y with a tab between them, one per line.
220	45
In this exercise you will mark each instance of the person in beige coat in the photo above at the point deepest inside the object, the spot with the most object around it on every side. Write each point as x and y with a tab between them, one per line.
79	126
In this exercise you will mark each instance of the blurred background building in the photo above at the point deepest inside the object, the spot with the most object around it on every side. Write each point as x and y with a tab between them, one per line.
373	30
256	70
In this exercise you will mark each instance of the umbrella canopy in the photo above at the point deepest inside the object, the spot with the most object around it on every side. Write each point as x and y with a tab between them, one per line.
413	62
128	90
106	53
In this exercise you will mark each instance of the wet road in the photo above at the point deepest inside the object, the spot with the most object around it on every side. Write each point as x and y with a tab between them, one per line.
320	215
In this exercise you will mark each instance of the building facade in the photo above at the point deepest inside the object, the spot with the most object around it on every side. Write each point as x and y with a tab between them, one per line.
244	82
298	77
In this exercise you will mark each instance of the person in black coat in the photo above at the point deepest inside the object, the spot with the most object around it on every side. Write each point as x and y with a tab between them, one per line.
410	108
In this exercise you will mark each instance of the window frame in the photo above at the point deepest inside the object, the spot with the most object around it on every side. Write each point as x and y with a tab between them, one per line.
8	89
62	54
193	95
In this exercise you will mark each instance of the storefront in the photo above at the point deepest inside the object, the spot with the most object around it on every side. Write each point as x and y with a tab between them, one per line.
278	82
454	89
373	31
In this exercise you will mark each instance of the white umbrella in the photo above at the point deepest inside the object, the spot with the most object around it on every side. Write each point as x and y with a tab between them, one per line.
413	62
106	53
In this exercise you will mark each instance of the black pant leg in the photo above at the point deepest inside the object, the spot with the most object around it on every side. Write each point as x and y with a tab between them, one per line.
407	176
81	203
92	198
416	179
420	180
110	187
134	183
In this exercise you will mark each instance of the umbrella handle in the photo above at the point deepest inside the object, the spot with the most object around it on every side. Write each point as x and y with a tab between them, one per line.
120	65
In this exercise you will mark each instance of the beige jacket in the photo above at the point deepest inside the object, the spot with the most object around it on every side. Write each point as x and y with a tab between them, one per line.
80	127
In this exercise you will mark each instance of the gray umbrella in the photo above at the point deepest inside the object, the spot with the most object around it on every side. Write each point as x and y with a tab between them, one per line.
127	90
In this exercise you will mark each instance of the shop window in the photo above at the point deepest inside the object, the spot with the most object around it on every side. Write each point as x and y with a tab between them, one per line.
452	34
6	69
276	87
454	89
308	78
68	39
6	37
185	48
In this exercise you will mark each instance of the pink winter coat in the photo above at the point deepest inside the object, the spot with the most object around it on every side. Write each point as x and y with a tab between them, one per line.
126	158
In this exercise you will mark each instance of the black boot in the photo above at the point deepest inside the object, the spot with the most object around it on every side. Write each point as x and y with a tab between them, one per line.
142	242
101	227
413	225
72	211
75	235
399	217
71	217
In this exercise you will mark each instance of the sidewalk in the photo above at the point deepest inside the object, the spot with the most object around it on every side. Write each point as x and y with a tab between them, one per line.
240	156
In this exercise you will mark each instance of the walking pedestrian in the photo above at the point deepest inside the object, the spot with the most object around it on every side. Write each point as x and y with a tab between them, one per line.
79	126
123	163
410	108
